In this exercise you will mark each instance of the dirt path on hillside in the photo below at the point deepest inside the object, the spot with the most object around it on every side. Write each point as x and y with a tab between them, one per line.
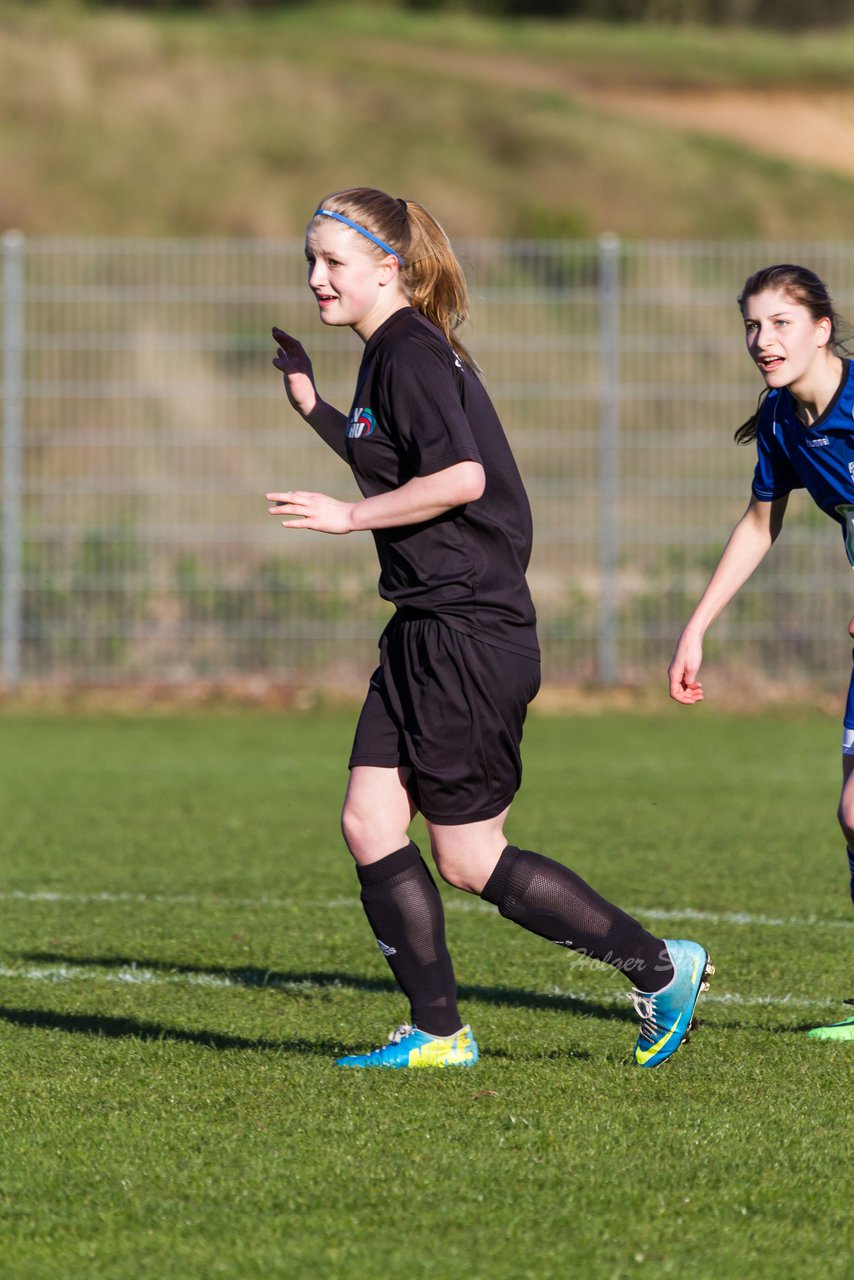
808	127
814	129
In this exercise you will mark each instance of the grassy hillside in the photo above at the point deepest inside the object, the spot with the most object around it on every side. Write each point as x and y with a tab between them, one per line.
130	124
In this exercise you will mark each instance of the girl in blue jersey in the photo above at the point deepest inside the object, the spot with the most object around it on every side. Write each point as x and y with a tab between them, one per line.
441	726
804	434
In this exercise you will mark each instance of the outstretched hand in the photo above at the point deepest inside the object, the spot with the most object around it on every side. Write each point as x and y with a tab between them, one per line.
315	511
297	374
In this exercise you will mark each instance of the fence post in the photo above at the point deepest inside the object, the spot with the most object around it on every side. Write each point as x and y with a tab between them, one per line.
13	351
609	458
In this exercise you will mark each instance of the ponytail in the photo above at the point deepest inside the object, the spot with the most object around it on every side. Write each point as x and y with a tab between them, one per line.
433	278
430	274
746	433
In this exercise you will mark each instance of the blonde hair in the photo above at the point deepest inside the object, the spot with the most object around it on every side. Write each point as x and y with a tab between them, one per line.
430	275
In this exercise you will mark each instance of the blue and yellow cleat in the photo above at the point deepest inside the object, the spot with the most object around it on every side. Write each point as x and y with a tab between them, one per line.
409	1047
667	1016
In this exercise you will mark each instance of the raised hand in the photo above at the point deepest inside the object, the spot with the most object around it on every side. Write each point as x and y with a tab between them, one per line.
297	374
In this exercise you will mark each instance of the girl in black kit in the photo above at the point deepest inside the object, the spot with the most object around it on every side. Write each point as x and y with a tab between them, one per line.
441	726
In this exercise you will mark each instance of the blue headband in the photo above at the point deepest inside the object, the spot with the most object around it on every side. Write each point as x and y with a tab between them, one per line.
363	231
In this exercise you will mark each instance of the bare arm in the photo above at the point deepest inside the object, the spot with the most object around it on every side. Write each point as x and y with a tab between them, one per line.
422	498
298	377
748	543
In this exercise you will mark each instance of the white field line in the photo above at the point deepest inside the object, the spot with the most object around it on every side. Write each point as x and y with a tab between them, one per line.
131	975
738	918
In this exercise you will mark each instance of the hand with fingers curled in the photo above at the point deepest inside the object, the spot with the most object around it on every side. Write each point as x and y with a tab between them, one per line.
315	511
683	669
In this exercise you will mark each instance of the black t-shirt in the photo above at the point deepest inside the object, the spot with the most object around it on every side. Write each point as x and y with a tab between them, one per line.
418	410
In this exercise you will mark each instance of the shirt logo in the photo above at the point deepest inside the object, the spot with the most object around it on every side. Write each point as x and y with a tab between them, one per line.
851	470
361	423
819	442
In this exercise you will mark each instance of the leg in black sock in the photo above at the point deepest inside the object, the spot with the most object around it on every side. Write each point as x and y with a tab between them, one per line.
405	911
552	901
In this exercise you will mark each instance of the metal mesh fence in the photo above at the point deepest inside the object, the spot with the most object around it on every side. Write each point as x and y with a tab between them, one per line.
143	422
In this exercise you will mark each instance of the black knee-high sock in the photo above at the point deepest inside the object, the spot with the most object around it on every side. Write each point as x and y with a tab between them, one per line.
406	914
552	901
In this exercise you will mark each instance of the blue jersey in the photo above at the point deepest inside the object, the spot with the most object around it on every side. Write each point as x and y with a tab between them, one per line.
819	458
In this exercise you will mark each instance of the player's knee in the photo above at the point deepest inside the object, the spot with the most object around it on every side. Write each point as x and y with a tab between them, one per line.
459	877
369	833
448	870
461	869
354	827
845	817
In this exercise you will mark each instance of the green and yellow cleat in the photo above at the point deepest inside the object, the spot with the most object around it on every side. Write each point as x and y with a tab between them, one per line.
843	1030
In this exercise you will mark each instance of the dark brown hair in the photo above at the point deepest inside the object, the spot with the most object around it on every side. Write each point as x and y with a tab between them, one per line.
804	288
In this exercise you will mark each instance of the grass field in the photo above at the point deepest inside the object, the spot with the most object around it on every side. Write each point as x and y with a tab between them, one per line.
183	953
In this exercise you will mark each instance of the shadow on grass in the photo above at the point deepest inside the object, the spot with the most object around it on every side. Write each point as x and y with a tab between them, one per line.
511	997
101	1025
801	1028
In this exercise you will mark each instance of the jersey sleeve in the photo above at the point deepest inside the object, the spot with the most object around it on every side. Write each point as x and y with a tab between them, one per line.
425	409
774	476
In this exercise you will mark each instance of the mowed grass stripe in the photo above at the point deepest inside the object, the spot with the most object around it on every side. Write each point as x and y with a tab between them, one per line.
133	976
737	919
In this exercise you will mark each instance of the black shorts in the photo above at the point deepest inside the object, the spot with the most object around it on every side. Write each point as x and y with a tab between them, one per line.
450	710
